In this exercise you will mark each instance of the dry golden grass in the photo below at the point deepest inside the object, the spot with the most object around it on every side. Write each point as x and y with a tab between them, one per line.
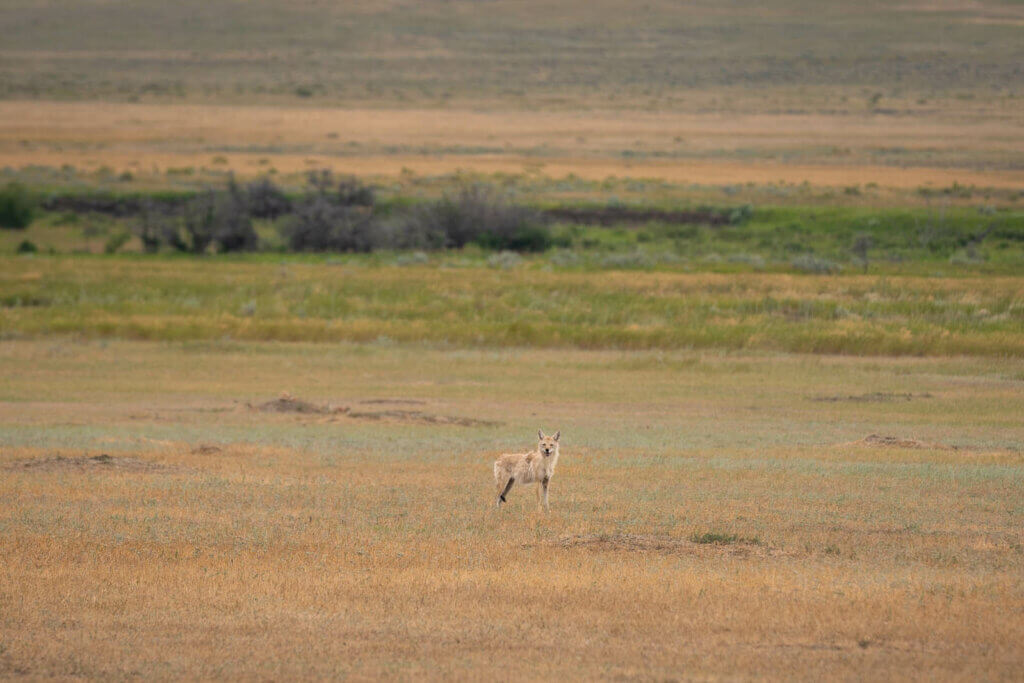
219	541
823	149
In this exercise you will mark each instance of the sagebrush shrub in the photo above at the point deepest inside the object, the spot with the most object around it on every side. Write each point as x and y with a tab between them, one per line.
266	200
320	225
477	215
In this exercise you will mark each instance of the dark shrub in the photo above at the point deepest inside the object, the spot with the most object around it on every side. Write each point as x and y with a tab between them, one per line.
26	247
862	243
233	229
334	216
320	225
346	192
17	207
351	192
217	218
199	222
477	215
266	199
152	227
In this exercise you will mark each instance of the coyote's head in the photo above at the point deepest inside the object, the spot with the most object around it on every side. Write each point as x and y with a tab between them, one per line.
548	444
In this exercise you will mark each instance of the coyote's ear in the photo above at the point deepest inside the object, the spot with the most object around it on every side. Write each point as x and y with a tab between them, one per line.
540	434
558	434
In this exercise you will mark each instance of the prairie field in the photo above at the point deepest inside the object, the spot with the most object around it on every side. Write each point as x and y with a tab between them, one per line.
210	501
714	514
280	280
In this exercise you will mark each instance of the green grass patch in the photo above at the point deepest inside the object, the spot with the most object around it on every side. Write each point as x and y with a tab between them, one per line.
527	304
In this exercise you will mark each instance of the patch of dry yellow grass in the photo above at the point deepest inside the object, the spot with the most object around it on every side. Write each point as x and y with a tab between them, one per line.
220	541
830	150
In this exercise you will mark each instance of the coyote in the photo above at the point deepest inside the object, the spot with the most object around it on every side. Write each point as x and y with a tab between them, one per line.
526	468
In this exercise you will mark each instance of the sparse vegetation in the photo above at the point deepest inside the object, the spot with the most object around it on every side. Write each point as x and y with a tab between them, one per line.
316	544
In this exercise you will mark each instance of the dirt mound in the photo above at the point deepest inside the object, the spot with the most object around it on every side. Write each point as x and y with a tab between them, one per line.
88	463
899	442
417	416
286	403
874	397
665	545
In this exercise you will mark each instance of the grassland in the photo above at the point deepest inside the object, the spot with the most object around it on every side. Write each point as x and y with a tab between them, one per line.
898	96
527	305
521	55
714	514
275	465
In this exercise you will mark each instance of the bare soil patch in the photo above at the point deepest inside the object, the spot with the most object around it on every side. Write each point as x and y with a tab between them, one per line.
663	545
900	442
873	397
286	403
87	463
417	416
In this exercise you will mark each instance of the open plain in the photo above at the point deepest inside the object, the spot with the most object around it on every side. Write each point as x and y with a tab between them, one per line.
167	513
774	304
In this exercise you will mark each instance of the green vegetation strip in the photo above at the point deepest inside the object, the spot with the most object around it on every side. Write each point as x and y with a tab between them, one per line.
189	299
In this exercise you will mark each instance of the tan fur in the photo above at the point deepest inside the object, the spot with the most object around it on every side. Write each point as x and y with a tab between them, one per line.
537	466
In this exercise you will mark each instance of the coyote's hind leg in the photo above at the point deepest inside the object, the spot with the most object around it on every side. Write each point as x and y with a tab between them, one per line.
501	493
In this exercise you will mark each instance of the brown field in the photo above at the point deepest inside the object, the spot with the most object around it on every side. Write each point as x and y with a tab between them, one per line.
714	514
906	151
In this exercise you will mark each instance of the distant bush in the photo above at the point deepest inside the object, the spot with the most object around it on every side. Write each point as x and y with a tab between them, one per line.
335	216
195	231
351	192
809	263
861	246
320	225
233	229
26	247
266	200
212	217
17	207
347	191
152	227
477	215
